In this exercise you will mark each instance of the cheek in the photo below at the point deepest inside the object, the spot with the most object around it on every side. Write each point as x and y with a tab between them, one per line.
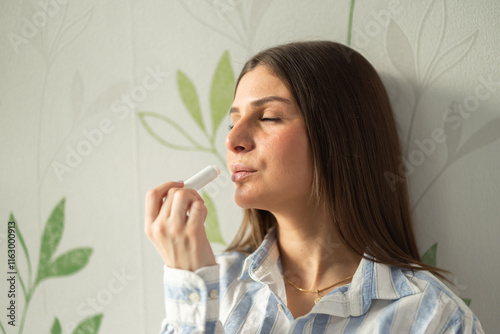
291	151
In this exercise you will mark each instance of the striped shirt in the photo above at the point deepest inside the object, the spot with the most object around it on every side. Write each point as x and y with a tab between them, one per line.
246	294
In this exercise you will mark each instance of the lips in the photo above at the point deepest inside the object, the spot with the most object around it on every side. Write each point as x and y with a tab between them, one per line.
239	172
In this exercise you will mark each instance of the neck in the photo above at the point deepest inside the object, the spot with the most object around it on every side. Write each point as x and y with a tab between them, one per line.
311	252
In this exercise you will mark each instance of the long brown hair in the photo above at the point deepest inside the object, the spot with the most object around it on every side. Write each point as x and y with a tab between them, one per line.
354	144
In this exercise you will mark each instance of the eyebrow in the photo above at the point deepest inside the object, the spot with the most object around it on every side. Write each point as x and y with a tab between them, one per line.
262	101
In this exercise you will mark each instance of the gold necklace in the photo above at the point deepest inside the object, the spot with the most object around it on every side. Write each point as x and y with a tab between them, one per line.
318	297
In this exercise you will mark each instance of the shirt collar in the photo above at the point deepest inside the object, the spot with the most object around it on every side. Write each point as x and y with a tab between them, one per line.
371	281
262	259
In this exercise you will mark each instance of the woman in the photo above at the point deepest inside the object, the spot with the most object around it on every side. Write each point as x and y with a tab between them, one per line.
326	244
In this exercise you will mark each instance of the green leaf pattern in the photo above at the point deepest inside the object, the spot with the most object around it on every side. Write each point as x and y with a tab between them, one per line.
70	262
89	326
221	92
149	119
221	98
51	237
212	222
66	264
56	327
429	256
190	98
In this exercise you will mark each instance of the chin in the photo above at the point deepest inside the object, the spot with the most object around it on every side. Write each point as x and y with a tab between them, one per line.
243	203
246	201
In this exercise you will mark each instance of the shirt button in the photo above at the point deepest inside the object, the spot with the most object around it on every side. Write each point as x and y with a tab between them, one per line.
194	297
280	308
214	294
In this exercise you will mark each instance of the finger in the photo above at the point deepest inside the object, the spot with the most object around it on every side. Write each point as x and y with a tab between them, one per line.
197	214
154	200
167	205
181	204
194	195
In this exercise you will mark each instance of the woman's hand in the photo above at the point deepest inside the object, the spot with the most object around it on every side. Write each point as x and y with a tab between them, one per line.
175	225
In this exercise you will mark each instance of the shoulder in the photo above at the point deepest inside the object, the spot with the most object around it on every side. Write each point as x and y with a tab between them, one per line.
435	305
434	291
406	301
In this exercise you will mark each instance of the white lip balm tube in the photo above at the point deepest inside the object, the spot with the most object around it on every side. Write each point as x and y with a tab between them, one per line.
202	178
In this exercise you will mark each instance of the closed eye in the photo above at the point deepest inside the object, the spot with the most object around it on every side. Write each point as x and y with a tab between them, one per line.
263	119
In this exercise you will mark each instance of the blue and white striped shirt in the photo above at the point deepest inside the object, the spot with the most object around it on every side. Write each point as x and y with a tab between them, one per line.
246	294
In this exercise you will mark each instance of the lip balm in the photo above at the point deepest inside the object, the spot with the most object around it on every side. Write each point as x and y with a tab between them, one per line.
202	178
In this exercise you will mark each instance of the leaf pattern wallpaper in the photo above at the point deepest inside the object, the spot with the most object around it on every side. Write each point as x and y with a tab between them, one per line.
101	101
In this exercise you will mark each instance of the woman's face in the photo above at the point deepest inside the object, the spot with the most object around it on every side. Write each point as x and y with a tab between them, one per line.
268	150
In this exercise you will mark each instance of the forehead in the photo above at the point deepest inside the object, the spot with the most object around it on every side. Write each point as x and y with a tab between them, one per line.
258	83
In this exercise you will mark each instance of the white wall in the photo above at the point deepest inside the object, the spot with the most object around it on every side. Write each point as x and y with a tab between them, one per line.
70	71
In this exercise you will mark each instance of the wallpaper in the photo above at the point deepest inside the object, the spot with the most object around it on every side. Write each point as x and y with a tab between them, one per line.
102	101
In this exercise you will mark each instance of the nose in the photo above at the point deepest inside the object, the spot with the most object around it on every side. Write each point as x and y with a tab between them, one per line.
240	138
